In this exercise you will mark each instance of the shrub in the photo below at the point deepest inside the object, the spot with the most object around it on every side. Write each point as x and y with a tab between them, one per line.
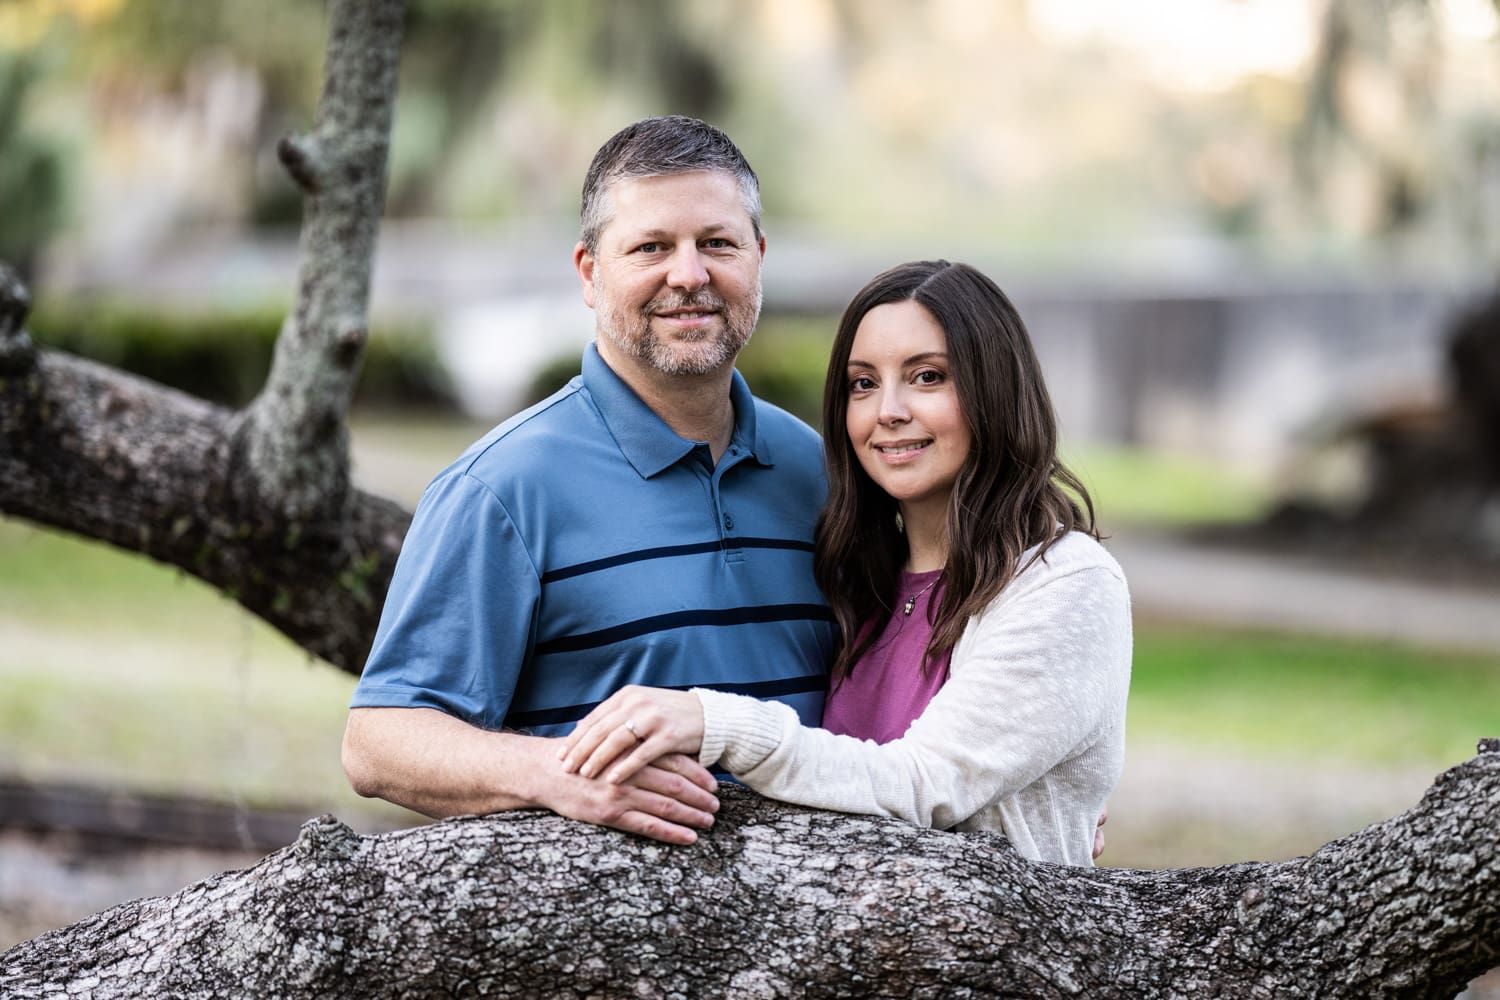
224	356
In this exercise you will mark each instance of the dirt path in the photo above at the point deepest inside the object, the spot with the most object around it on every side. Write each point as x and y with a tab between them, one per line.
1178	580
1182	806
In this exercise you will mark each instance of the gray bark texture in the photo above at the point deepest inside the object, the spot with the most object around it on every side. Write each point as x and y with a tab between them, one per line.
780	901
257	503
294	434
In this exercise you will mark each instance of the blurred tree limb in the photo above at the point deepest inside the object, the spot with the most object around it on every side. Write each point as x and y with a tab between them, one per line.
1386	52
31	171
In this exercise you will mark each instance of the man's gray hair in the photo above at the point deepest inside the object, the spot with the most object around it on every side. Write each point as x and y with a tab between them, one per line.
652	147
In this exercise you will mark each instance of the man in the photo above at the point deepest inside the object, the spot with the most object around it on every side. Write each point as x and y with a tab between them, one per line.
651	523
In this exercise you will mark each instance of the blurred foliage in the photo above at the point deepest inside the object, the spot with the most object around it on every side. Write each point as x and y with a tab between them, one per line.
462	60
224	356
494	95
157	44
986	130
31	169
784	363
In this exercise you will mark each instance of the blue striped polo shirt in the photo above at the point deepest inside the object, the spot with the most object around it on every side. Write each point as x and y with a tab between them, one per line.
582	545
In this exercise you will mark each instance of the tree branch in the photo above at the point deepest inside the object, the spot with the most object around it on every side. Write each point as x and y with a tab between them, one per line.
303	162
779	901
296	445
257	503
89	449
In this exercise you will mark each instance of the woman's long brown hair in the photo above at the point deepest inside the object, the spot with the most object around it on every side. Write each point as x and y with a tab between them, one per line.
1010	495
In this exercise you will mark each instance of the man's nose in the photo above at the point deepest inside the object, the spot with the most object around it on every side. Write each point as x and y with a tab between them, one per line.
686	270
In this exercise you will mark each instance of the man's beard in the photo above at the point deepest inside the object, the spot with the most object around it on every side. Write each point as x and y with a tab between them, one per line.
685	354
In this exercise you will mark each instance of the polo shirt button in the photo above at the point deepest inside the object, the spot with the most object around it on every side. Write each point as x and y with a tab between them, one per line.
728	522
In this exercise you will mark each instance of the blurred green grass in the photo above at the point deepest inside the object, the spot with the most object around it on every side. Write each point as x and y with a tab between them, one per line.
116	670
1134	486
1298	698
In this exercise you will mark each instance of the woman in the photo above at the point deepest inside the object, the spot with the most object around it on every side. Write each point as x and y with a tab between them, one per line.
983	679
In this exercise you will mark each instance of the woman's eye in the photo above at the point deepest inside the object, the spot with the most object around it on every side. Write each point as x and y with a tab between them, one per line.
929	377
862	384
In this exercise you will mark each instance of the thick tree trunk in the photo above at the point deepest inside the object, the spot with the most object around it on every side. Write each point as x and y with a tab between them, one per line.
779	901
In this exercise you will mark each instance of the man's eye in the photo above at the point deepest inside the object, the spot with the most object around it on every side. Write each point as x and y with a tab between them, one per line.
648	248
716	243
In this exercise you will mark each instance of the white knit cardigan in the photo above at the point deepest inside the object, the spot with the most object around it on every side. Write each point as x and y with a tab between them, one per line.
1027	737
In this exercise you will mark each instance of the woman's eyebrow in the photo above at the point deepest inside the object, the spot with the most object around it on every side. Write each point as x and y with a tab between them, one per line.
914	359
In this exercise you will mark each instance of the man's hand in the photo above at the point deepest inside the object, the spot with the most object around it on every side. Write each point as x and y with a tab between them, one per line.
669	799
631	728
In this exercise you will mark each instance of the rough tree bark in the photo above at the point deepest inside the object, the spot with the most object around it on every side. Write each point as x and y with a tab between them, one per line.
294	436
257	503
776	901
779	901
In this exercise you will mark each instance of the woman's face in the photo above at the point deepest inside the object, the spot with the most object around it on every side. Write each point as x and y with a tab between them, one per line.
903	420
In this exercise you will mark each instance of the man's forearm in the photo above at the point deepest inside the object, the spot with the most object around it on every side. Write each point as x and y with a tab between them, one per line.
441	766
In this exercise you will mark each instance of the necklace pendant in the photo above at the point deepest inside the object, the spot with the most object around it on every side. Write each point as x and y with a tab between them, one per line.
910	606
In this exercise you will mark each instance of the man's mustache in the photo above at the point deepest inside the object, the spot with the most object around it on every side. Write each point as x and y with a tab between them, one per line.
704	300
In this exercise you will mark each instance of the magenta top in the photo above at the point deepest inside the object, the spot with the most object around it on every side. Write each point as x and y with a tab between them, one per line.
887	688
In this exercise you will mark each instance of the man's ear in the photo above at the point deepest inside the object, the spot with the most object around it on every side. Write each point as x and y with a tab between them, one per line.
762	242
583	263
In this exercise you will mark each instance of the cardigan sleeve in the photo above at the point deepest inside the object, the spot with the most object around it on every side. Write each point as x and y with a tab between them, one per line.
1035	680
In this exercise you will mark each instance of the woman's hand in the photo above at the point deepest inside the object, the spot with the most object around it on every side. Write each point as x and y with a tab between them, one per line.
630	729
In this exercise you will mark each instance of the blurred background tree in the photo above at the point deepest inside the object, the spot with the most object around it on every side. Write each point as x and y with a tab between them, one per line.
1392	142
1061	131
31	171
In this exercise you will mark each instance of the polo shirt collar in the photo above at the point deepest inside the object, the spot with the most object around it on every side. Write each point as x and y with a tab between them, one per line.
644	438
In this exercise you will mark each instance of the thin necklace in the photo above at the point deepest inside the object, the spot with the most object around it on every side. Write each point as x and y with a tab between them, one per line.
911	602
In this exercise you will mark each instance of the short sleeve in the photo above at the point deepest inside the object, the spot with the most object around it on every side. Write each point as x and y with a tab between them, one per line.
460	615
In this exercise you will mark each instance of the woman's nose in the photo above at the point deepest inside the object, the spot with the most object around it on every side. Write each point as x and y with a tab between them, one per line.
893	408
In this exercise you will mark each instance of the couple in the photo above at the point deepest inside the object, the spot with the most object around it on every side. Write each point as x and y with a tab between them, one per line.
625	585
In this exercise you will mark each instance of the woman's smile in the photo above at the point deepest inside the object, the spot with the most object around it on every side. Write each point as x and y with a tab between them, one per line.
902	451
